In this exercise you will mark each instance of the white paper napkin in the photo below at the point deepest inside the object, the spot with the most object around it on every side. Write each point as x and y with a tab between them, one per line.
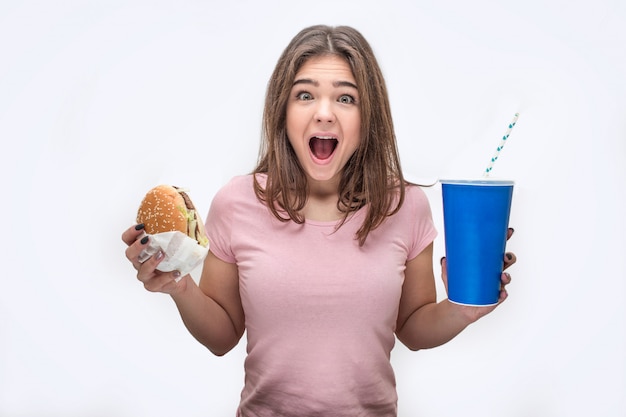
182	253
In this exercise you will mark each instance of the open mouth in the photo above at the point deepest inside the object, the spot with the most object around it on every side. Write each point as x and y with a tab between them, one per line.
323	147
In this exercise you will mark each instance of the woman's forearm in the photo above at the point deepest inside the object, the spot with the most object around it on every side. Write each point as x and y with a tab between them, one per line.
205	319
433	325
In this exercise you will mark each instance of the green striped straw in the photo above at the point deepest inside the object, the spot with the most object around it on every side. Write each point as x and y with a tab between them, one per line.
494	158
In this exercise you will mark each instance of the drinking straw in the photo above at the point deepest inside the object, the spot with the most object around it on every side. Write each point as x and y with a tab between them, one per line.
494	158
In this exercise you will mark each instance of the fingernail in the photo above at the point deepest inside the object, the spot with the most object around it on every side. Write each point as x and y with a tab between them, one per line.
441	260
159	255
512	230
144	240
177	276
139	226
509	256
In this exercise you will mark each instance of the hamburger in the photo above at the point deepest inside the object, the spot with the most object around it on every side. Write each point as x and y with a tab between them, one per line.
167	208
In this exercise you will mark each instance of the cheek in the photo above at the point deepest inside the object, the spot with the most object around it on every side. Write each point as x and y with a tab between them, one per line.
354	123
293	123
292	133
355	133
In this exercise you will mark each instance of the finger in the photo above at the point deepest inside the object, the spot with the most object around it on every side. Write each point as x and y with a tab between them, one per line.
156	281
444	272
509	259
163	282
148	269
153	262
503	296
132	233
134	251
509	233
505	280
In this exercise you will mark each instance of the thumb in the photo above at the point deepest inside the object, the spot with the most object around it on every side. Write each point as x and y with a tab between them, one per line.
444	272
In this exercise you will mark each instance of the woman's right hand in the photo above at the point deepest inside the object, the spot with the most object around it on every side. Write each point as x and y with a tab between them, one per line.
153	280
216	297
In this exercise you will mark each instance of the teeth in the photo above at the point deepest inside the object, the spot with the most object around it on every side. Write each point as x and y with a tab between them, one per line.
326	137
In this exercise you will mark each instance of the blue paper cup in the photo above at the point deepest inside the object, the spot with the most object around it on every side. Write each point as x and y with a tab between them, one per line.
476	219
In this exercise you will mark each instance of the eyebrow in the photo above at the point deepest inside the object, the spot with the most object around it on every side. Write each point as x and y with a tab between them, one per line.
316	83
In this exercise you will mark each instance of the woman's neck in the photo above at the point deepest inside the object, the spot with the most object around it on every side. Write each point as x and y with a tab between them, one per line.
321	203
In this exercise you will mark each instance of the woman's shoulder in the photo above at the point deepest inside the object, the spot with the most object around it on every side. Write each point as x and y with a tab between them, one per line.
238	190
238	181
240	185
416	198
415	191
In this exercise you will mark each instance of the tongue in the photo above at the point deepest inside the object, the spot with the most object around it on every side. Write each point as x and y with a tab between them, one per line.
322	148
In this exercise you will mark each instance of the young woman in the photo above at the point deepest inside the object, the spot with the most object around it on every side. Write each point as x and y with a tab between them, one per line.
323	254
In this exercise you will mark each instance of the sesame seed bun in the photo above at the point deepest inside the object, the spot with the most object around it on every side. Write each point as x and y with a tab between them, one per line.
167	208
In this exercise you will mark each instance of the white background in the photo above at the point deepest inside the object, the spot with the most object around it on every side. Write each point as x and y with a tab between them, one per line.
101	100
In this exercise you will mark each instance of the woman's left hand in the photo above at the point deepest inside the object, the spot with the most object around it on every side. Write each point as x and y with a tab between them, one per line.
475	313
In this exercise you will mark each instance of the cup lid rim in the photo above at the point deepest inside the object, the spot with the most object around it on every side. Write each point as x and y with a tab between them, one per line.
478	181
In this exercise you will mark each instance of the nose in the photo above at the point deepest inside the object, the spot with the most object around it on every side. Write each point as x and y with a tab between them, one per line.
324	112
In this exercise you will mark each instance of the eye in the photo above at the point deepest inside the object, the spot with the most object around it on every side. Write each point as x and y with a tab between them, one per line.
304	96
346	99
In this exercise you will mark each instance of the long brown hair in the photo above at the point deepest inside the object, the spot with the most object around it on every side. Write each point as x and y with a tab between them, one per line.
372	176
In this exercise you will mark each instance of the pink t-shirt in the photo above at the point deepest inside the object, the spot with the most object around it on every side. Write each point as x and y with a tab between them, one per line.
320	310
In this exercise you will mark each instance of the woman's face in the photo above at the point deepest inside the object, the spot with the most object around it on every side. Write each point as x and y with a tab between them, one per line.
323	117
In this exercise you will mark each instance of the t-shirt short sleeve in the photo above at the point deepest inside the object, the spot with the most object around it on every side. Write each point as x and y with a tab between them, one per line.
422	220
219	222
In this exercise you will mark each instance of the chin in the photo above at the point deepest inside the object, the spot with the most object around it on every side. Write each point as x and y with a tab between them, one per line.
323	175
